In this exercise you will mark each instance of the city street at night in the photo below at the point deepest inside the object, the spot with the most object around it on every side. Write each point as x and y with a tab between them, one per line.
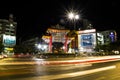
60	40
91	68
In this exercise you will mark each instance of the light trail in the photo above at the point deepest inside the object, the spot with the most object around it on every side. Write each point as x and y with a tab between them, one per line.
69	75
42	62
80	61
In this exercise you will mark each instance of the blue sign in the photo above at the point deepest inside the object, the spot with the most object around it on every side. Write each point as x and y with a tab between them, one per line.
87	40
9	40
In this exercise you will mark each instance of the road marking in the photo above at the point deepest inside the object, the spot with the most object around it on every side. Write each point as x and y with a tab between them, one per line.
69	75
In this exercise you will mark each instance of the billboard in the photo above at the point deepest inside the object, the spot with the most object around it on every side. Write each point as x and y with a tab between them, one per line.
9	40
87	40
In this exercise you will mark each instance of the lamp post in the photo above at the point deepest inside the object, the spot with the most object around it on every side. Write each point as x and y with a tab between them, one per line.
73	17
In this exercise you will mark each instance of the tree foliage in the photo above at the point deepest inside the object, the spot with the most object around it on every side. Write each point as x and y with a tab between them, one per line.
23	49
1	47
108	47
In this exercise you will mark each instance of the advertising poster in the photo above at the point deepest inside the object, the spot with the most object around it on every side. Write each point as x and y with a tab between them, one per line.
9	40
87	40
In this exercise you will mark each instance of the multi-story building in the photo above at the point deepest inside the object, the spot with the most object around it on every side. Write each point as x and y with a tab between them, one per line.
8	27
8	33
106	37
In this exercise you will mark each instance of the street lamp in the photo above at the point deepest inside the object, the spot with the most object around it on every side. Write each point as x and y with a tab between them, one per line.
73	16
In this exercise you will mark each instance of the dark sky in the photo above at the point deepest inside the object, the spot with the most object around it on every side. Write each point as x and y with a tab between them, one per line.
34	18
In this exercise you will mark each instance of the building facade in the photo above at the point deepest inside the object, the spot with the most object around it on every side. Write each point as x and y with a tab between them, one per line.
8	33
106	37
87	40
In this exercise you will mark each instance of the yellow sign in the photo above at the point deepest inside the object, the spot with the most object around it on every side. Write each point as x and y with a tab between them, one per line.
9	49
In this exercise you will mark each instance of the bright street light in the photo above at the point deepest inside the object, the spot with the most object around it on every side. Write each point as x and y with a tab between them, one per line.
77	17
73	16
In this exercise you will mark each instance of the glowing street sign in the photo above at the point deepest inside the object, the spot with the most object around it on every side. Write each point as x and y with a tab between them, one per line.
9	40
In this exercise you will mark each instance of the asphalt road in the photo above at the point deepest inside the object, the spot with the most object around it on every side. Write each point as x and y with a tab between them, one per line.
82	71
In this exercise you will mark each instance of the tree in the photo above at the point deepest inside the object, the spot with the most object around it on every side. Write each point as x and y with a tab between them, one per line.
1	47
72	33
19	49
108	48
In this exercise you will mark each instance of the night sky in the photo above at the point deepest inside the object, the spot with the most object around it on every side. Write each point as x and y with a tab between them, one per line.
34	18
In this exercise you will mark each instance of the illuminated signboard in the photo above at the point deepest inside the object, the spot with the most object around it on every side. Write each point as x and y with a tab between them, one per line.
9	40
10	49
58	37
112	36
87	40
